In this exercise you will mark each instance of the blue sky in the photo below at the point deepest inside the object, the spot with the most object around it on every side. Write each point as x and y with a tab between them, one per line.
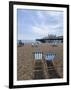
33	24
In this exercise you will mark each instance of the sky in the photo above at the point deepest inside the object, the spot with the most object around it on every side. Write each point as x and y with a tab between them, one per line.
35	24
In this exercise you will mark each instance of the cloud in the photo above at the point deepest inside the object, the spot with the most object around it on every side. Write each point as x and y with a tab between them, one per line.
38	23
44	30
40	30
39	14
51	22
54	13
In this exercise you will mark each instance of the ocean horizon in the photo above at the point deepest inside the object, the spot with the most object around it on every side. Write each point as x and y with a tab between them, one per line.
26	41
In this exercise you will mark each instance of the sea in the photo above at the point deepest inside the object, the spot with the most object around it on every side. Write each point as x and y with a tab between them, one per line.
26	41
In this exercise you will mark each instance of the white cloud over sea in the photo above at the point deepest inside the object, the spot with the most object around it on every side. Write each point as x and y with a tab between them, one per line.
33	24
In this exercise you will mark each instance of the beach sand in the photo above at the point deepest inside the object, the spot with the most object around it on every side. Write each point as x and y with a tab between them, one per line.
27	69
